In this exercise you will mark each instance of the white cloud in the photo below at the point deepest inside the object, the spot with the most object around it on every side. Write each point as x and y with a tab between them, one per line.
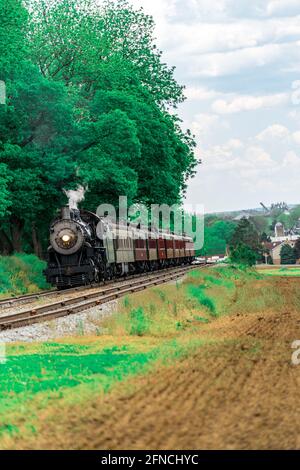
235	156
234	62
203	124
291	161
236	56
296	137
276	131
258	157
282	6
200	93
248	103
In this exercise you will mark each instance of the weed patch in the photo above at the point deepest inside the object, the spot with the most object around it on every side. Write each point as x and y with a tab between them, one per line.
21	274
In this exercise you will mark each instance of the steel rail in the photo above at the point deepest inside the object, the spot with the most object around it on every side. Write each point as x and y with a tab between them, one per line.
83	302
27	298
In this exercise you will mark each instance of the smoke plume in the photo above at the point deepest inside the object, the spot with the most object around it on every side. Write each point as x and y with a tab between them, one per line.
75	197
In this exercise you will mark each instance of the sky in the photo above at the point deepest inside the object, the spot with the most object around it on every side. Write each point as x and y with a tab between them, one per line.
240	63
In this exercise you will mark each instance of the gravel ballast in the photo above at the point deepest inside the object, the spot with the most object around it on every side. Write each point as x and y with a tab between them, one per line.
86	322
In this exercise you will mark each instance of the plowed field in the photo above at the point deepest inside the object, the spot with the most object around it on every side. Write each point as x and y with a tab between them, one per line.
240	391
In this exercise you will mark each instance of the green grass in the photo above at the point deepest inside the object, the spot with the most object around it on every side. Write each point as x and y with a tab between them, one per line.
169	309
150	328
35	375
21	274
198	292
281	272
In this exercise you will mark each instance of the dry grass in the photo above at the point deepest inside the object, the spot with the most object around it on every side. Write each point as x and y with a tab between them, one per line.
151	330
165	311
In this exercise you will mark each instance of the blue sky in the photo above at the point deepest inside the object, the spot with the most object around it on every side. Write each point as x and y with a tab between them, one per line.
240	62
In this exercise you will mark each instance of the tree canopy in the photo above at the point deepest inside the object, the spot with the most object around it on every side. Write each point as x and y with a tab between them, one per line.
217	235
287	255
89	101
245	245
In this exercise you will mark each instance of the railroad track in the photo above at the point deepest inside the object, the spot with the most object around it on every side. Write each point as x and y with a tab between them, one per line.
87	300
28	298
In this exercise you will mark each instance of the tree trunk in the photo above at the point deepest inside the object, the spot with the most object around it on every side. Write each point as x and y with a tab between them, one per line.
6	247
16	227
36	242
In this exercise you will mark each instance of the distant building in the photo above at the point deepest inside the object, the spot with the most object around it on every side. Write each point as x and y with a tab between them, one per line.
274	249
279	230
282	235
285	238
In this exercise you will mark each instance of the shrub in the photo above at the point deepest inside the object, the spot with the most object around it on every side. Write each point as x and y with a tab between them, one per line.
21	274
243	254
139	323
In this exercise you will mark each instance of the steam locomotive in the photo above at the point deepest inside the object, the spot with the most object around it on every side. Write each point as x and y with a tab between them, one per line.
86	249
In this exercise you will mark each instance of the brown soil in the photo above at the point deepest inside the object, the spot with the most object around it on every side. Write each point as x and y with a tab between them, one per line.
240	392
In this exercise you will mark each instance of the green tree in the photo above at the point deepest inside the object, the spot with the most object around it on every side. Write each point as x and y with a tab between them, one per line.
295	215
217	235
287	255
260	222
13	49
246	234
166	159
297	249
264	238
36	131
5	200
243	254
245	242
89	101
91	39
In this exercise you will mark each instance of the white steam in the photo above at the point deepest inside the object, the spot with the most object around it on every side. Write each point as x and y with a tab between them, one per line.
75	197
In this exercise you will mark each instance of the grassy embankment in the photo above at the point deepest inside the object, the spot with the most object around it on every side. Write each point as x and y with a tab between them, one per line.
281	271
21	274
150	329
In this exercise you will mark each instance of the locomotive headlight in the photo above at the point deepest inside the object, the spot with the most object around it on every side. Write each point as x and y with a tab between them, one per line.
66	239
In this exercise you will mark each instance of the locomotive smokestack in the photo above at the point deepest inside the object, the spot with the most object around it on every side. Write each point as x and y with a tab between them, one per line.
65	213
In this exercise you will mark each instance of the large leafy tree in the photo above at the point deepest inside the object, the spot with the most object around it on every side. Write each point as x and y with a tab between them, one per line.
217	235
88	103
110	53
35	127
13	49
91	39
245	245
5	201
247	234
165	160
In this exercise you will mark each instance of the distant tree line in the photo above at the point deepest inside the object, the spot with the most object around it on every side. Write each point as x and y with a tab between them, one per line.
244	239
